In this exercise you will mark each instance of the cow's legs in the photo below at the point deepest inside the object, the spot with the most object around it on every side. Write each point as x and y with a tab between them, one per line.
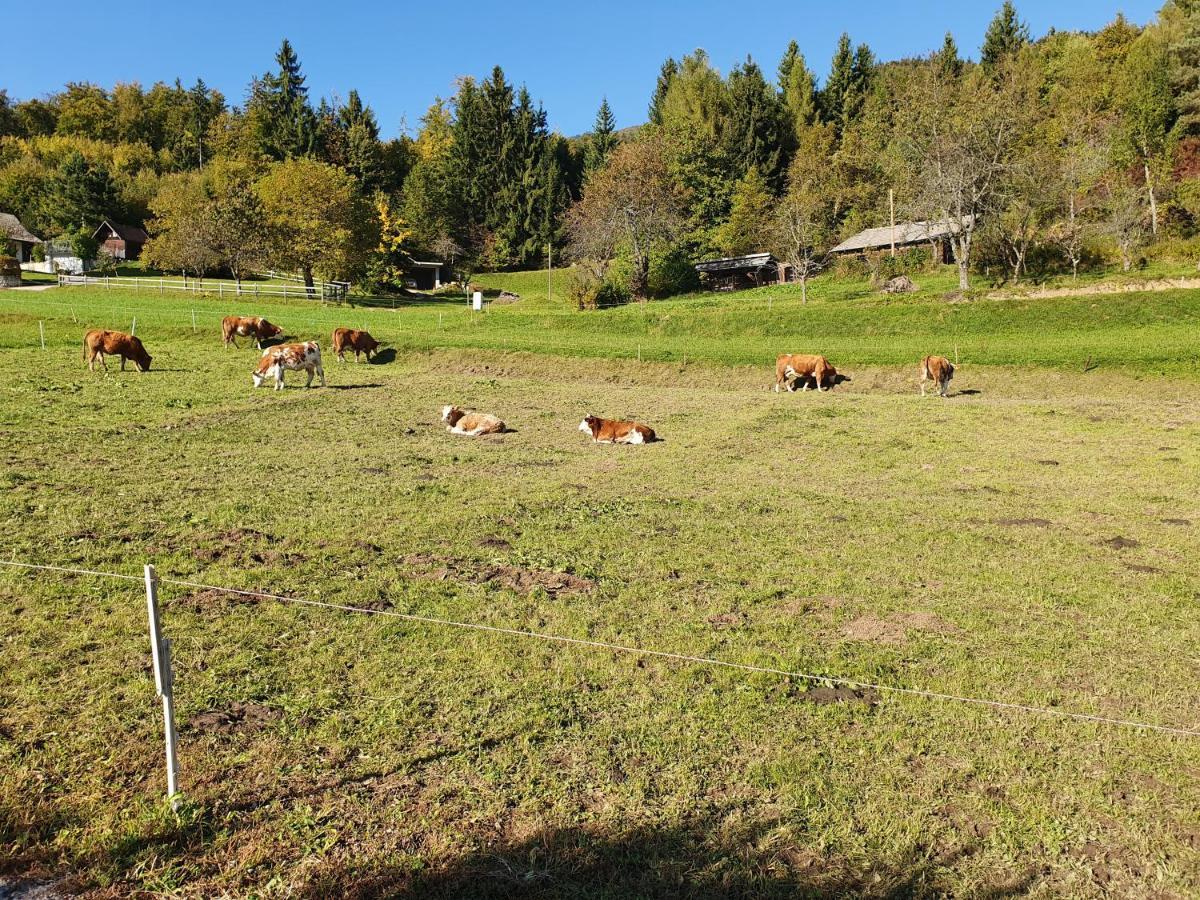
943	388
321	372
308	381
922	385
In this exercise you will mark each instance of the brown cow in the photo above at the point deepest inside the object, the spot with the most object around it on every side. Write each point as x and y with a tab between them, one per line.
793	367
359	341
939	369
615	431
469	422
248	326
98	343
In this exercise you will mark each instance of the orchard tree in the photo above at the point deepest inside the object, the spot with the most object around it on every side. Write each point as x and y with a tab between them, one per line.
1147	109
958	139
183	228
804	218
319	223
632	203
241	237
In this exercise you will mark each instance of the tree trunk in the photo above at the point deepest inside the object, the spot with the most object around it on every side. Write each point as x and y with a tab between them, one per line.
804	288
308	280
640	278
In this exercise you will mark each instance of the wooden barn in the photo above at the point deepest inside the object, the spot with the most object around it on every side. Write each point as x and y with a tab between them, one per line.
120	241
905	235
20	237
735	273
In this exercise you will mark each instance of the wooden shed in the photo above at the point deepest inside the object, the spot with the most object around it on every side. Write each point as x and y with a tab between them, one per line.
904	235
120	241
733	273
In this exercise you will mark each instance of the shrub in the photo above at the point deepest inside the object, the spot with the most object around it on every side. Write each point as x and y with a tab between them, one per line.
9	266
586	291
38	253
671	273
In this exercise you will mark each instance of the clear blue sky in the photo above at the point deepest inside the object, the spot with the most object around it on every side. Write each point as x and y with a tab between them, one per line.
400	55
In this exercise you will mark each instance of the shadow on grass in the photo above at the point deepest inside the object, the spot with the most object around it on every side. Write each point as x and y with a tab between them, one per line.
698	859
383	357
969	392
353	387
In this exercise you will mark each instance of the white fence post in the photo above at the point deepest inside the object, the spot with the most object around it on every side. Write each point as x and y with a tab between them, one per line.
164	683
42	333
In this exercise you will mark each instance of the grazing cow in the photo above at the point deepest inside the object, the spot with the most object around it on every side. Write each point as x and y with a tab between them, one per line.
939	369
614	431
359	341
469	422
275	360
793	367
255	327
98	343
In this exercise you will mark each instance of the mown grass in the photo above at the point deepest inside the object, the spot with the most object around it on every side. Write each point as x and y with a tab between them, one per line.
965	546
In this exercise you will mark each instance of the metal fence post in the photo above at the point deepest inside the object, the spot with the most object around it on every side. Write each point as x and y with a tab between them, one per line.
164	683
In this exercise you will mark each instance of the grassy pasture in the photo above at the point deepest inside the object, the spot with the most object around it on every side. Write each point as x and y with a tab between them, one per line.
1032	539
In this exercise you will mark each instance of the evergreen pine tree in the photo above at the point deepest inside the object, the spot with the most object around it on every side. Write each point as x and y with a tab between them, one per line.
666	75
947	60
797	87
1005	35
287	126
850	78
602	140
756	129
1185	63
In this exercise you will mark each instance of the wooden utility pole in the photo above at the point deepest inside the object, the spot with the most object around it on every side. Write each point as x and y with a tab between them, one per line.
892	217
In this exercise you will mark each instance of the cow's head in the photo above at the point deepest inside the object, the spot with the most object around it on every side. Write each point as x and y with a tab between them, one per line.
587	425
447	412
260	374
267	330
142	360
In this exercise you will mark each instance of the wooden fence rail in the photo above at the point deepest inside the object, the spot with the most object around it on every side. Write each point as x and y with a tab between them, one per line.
322	290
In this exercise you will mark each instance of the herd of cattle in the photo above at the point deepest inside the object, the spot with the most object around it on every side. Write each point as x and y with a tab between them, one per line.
791	369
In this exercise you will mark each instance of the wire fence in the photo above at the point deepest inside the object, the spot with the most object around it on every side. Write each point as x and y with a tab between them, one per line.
612	647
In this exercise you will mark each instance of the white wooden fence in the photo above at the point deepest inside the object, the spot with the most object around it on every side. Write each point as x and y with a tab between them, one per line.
321	290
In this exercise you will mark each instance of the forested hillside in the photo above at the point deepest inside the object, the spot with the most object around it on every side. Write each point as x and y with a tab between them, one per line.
1067	150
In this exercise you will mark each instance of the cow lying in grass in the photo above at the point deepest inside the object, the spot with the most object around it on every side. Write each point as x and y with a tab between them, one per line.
614	431
275	360
359	341
469	422
99	343
255	327
793	367
939	369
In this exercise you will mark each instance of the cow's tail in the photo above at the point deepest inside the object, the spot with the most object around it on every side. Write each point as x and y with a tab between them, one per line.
925	373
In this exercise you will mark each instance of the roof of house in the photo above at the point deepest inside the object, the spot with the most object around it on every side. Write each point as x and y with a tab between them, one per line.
11	226
124	232
904	233
427	265
753	261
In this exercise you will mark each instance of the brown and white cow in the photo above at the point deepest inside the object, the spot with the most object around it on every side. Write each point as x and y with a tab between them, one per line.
793	367
359	341
255	327
470	423
99	343
615	431
296	357
939	369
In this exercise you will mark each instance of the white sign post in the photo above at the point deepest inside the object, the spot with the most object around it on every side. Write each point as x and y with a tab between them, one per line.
477	301
164	683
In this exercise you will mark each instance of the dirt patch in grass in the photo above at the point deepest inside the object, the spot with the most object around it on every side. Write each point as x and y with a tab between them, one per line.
521	580
825	695
1015	523
965	822
726	620
894	631
1121	543
239	718
1148	570
1184	523
493	542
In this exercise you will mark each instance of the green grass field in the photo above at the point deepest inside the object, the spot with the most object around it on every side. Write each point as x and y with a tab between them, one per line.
1032	539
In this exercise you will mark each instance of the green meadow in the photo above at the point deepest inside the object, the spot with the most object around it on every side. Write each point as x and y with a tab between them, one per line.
1032	539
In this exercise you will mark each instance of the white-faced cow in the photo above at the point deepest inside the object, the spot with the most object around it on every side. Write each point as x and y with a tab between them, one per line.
616	431
296	357
469	422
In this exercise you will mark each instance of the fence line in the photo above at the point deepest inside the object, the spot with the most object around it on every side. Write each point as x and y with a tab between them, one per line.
323	290
853	684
